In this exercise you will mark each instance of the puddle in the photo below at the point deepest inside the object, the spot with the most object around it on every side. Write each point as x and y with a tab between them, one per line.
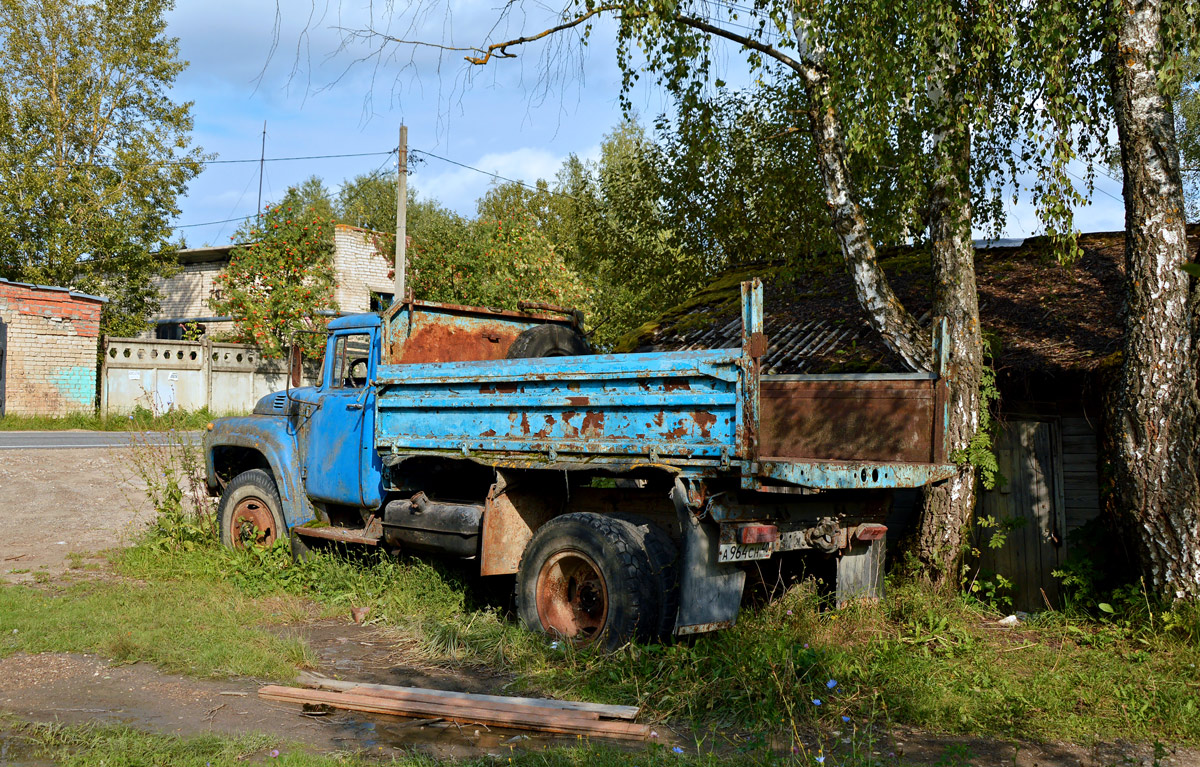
78	689
18	751
440	740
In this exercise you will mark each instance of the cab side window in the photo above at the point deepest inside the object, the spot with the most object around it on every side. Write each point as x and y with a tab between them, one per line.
351	358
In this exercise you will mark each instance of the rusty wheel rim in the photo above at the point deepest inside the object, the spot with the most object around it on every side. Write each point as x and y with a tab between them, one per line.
572	597
252	524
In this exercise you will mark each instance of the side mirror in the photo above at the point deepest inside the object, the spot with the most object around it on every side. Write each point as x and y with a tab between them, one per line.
295	366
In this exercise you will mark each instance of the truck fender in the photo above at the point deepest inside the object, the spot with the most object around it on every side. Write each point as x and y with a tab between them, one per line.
710	594
277	443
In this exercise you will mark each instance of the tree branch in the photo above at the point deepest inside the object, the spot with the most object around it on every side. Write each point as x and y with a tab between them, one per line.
498	49
886	314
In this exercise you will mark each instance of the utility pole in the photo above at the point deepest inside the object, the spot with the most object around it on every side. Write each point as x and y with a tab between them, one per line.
262	159
401	214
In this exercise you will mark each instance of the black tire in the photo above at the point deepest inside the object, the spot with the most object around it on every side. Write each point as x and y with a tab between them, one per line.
664	565
548	341
254	500
595	579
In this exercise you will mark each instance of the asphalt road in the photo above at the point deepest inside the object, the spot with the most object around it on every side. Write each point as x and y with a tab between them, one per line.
61	440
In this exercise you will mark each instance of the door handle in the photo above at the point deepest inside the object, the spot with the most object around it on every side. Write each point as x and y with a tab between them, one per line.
354	406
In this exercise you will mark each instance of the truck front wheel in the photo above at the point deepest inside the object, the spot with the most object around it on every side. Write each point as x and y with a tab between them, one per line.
587	578
250	512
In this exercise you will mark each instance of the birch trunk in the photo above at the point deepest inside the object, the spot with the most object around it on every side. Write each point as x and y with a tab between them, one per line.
898	328
948	507
1153	417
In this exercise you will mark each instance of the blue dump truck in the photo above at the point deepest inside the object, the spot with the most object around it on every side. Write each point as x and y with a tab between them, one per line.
629	494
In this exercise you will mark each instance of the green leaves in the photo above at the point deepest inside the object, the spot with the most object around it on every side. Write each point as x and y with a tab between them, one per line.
93	153
280	278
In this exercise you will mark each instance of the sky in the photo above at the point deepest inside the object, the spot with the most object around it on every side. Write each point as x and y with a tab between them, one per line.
322	90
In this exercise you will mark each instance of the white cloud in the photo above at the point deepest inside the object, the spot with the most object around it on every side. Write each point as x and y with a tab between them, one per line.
458	188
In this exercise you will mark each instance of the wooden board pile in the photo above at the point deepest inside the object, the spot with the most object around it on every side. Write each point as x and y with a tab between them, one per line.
543	714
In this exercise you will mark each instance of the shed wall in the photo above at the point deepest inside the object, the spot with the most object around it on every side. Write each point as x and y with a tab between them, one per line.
52	338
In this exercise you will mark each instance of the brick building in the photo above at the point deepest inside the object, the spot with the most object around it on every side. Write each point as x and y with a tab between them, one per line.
363	273
48	344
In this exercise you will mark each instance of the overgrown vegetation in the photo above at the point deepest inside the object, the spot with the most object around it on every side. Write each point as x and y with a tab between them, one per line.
280	278
141	419
1124	668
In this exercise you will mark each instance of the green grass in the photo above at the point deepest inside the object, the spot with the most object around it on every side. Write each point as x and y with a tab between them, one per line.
114	746
140	419
935	661
921	659
208	631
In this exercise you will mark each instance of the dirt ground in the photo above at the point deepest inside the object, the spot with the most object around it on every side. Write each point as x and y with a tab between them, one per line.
58	502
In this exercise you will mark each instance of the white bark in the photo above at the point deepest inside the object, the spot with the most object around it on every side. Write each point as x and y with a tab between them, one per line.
1153	424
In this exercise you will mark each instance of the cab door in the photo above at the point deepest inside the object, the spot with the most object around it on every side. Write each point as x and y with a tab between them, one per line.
341	466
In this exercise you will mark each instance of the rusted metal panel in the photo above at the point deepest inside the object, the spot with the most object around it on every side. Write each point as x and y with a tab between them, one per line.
420	331
852	419
754	346
509	521
856	475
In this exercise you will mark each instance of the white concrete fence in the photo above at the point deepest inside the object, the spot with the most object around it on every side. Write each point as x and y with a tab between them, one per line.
165	375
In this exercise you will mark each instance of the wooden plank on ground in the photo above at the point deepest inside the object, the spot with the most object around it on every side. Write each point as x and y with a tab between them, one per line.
516	708
563	722
309	679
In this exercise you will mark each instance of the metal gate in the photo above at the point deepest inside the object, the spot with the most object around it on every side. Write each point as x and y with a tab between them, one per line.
3	361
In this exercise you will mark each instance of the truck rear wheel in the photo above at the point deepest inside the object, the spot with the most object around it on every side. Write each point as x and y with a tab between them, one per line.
588	579
548	341
664	568
250	512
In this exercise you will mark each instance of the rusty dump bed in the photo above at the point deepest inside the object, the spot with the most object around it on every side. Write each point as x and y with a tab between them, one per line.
425	331
698	413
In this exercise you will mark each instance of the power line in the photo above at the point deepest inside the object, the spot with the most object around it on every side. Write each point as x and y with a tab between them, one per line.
1093	185
368	154
210	223
484	172
224	162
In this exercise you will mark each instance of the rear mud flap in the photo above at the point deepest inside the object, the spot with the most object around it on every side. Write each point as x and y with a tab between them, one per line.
860	572
710	593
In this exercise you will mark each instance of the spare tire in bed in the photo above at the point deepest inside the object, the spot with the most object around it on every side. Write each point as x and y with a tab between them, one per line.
549	341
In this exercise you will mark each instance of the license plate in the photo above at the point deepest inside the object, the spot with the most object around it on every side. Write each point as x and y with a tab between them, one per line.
743	552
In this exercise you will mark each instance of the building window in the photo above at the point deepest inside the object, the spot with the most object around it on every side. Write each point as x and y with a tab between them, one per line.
169	331
380	301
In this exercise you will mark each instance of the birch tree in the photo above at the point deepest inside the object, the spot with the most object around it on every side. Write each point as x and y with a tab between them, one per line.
952	80
1154	419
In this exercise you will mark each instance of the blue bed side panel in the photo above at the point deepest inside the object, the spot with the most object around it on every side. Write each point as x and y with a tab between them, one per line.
672	404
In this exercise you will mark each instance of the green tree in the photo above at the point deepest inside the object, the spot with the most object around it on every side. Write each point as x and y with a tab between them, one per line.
1187	128
311	194
368	201
93	152
280	281
947	87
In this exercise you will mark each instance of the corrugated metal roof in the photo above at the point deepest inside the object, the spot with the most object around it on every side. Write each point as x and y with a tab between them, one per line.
56	289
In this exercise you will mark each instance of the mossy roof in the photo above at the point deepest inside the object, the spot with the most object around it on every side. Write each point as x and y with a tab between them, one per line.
1039	316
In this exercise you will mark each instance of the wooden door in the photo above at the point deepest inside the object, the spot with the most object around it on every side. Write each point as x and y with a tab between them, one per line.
1031	500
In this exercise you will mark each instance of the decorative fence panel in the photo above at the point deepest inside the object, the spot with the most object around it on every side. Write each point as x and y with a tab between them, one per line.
165	375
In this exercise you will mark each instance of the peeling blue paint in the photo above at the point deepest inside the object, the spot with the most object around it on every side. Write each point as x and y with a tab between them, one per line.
77	384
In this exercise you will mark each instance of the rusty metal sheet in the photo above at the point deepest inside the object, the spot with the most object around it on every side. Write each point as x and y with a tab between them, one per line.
510	518
854	419
420	331
669	404
856	475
